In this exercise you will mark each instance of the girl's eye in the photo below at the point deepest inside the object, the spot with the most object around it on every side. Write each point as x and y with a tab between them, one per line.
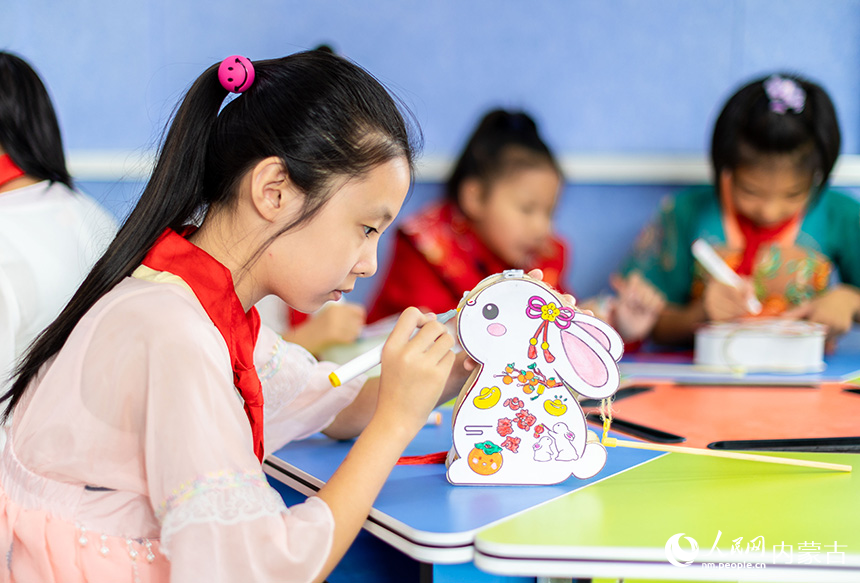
369	230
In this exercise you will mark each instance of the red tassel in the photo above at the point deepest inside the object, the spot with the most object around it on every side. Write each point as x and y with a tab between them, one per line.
532	351
420	460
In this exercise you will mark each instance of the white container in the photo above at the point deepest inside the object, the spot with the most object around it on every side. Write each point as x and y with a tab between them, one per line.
762	345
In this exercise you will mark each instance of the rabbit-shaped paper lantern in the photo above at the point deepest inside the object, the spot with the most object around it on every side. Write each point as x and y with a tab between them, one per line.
516	420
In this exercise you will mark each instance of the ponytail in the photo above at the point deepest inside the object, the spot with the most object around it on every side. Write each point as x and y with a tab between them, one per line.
753	125
170	199
503	141
321	114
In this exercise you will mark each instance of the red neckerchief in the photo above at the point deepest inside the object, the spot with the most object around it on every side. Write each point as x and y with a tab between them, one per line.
212	283
755	236
9	171
461	257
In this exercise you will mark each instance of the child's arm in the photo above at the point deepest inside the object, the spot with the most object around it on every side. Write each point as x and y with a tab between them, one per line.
352	420
636	309
661	254
334	323
726	302
677	324
415	370
838	309
9	323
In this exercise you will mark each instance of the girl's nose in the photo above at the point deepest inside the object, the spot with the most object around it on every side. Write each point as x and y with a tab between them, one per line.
366	265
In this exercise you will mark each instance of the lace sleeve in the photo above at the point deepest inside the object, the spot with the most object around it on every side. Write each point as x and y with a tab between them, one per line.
231	526
221	498
298	397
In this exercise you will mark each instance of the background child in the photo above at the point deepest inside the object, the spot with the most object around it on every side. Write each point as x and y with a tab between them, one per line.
497	215
336	323
128	443
50	235
769	214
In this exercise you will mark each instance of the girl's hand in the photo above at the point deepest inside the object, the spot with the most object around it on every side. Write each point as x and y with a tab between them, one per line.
724	302
339	322
335	323
837	309
414	370
566	299
637	306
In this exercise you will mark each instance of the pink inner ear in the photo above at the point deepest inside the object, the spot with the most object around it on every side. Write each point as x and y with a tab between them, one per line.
596	332
584	360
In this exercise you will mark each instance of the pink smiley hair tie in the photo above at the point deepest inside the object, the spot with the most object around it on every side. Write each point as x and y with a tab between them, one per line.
236	73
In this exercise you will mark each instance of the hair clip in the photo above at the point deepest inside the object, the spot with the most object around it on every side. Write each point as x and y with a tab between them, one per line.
784	94
236	74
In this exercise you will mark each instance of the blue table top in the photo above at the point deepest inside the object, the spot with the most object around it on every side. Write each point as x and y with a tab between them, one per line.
419	503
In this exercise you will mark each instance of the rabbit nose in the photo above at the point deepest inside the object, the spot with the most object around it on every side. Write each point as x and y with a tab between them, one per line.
496	329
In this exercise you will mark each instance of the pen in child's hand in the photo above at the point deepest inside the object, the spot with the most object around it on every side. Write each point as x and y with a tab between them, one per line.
364	362
435	418
720	271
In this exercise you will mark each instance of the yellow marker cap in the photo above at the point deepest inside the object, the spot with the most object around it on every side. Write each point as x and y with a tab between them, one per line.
335	382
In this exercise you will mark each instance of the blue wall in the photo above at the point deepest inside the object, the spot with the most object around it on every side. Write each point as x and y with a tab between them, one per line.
602	77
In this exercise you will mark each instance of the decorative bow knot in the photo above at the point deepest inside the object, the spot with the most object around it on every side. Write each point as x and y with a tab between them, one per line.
547	312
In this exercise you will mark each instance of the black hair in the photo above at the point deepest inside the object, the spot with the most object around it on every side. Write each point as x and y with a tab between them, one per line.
754	125
502	142
322	115
326	48
29	132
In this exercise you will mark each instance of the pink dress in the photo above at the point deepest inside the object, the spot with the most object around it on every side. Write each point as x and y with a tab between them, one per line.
130	457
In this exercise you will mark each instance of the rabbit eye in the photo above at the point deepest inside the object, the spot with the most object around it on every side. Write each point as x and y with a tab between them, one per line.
491	311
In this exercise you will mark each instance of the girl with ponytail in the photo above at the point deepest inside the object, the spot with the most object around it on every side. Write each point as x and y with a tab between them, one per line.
497	215
140	417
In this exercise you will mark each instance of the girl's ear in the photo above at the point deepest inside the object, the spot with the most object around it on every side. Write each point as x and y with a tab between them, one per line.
471	197
272	191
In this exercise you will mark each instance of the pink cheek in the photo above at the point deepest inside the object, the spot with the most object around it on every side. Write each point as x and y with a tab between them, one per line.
496	329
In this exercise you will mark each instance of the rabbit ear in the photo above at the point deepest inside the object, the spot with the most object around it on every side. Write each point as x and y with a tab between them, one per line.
595	373
602	332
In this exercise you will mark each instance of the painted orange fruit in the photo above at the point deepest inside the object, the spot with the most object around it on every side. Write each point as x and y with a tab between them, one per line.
485	458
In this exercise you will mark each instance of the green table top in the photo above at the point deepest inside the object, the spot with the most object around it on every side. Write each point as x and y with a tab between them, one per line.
811	516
